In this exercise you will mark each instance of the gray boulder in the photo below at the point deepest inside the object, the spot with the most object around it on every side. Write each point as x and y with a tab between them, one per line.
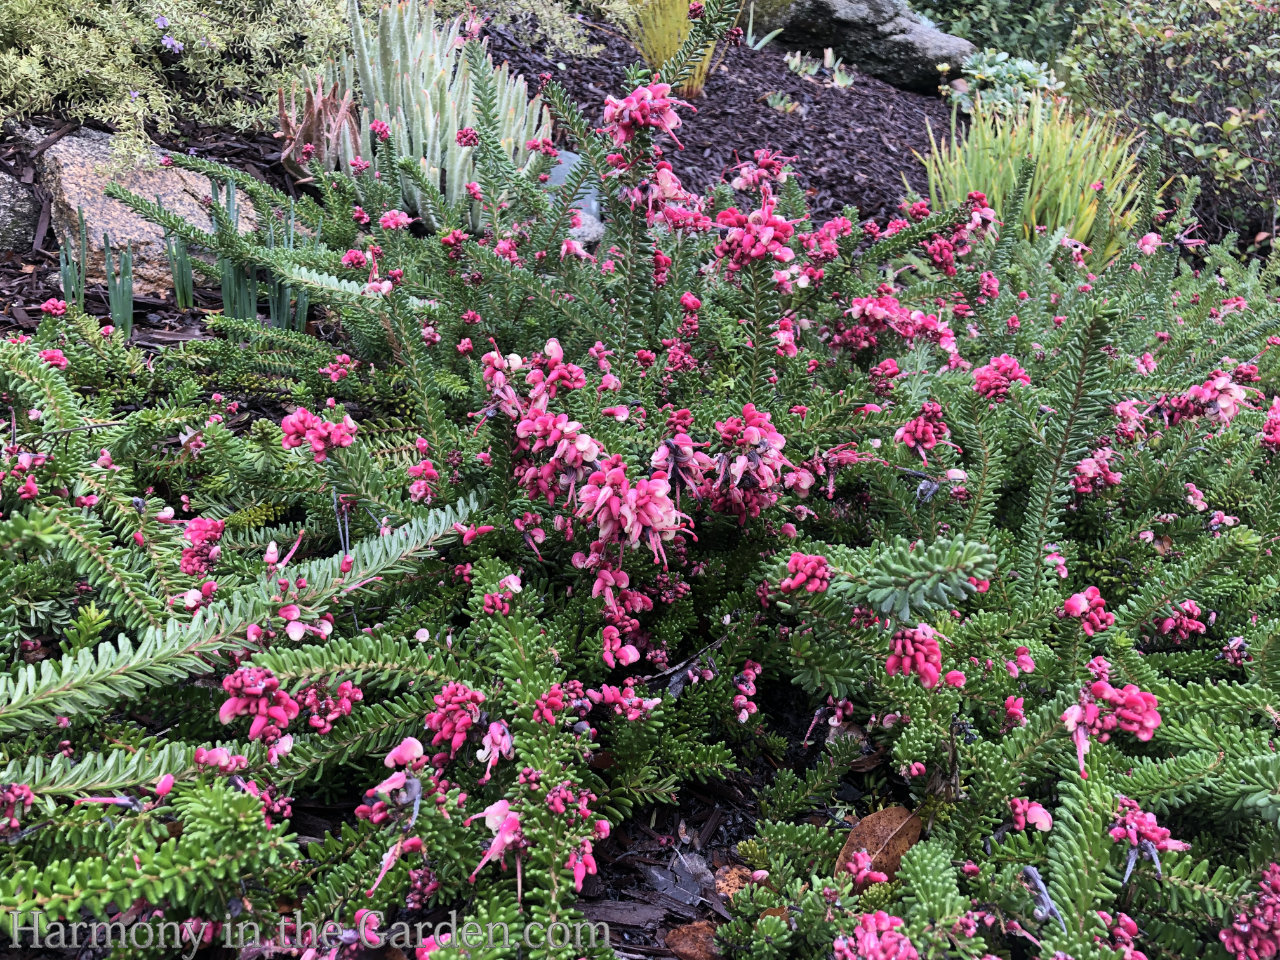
19	213
882	38
76	170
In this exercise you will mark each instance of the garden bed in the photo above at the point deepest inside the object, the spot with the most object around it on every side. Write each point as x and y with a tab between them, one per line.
855	145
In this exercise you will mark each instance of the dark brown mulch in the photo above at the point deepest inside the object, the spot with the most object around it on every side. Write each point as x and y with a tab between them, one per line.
853	145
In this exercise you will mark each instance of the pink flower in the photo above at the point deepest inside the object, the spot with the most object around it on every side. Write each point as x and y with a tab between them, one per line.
1136	827
302	426
994	380
1029	812
1102	709
256	692
1183	623
916	651
54	307
380	130
572	248
468	137
1149	243
648	106
876	937
924	432
1254	932
495	745
457	710
1094	473
395	220
859	866
54	358
471	533
615	651
808	572
405	754
760	235
1089	608
220	758
505	825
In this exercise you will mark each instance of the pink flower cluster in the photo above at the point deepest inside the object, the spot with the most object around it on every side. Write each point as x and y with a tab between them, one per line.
15	801
1103	709
916	651
1089	608
625	701
750	472
1029	812
423	473
1135	826
221	759
876	937
743	706
666	201
1094	472
616	651
648	106
457	710
327	706
341	367
1271	428
631	515
1254	933
860	868
1183	623
203	535
1124	935
808	572
994	380
255	692
1220	398
303	426
926	431
759	235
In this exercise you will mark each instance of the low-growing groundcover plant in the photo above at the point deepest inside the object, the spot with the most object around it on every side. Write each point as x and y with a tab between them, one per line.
555	531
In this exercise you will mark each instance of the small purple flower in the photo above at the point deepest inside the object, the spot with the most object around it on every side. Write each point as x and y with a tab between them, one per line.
162	22
171	44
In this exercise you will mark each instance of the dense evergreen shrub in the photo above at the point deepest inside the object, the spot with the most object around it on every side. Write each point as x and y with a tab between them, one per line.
553	532
1038	30
1202	77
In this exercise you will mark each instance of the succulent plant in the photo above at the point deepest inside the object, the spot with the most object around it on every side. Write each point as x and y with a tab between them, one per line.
411	74
316	139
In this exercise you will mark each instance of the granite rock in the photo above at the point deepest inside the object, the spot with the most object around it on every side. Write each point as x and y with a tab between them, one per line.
881	38
76	170
19	214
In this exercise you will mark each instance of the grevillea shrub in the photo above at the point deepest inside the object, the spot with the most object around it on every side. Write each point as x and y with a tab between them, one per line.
908	514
